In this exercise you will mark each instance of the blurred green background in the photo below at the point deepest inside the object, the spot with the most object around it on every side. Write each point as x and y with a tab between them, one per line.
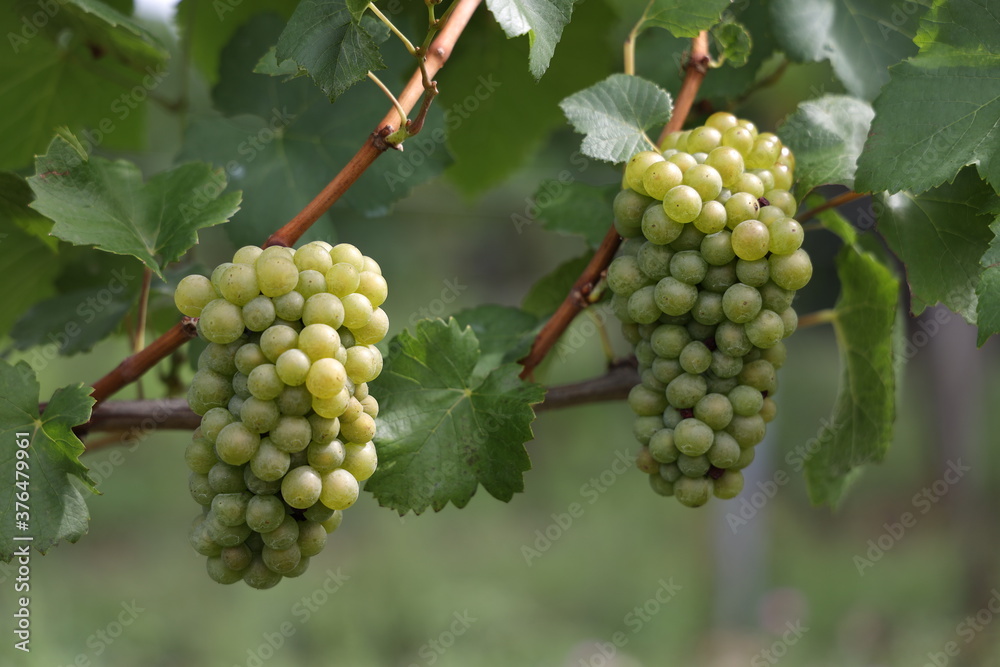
632	578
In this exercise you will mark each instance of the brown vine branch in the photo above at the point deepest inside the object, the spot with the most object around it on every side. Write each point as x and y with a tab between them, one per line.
134	366
819	317
612	386
833	202
694	74
577	300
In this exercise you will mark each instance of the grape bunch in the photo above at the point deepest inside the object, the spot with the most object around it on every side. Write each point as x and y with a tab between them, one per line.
703	286
287	420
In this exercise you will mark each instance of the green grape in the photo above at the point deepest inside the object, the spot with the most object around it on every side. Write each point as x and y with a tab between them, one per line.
312	538
259	576
236	444
331	407
194	292
240	387
661	486
760	375
200	455
791	272
782	175
258	486
770	410
201	489
625	276
258	314
342	279
364	363
310	283
265	513
786	236
295	401
323	308
666	370
721	121
765	177
658	227
686	390
226	478
682	203
238	284
269	463
746	400
644	462
693	466
751	239
642	306
247	255
668	340
289	306
714	410
670	472
728	162
643	428
754	273
783	199
319	341
235	404
739	138
249	357
724	366
775	298
747	431
770	214
277	339
361	459
360	430
703	139
690	239
326	377
264	382
764	152
259	416
209	390
200	541
221	573
700	331
688	266
226	536
661	446
719	278
653	260
717	249
712	218
345	252
766	329
695	358
357	310
216	278
291	434
684	161
340	489
237	558
740	207
326	457
707	308
312	257
221	322
636	167
220	358
741	303
725	451
646	402
292	367
628	209
230	508
276	275
749	183
374	288
775	355
659	177
301	487
731	339
728	485
692	437
746	458
717	385
674	297
705	180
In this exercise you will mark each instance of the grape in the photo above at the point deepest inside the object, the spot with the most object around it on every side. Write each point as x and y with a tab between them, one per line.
741	206
791	272
748	183
374	288
359	430
238	284
319	341
783	199
653	260
258	314
661	446
686	390
276	274
194	292
759	375
236	444
728	163
200	454
770	214
659	177
221	322
692	492
682	203
674	297
707	308
259	416
249	357
754	273
230	508
717	249
301	487
340	489
725	451
705	180
291	434
258	486
729	484
766	329
719	278
739	138
364	363
666	370
741	303
693	437
747	431
766	178
712	218
775	298
658	227
684	161
695	358
277	339
625	276
357	310
361	459
751	239
725	366
688	266
646	402
343	279
636	167
628	209
269	463
714	410
786	236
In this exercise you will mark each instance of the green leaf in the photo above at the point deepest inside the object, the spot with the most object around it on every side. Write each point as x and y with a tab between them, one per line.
733	43
442	429
483	92
542	20
988	290
613	116
208	26
504	333
684	18
832	220
111	33
548	293
860	429
61	75
57	508
574	208
282	142
357	8
26	262
940	235
325	40
98	202
941	110
860	38
826	135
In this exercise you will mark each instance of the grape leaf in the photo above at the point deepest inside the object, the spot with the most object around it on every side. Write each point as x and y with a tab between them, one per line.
287	138
61	75
941	110
940	235
208	26
443	429
504	333
57	508
483	92
323	38
826	135
860	429
988	290
542	20
614	114
357	8
733	42
28	263
860	38
98	202
683	18
574	208
548	292
110	33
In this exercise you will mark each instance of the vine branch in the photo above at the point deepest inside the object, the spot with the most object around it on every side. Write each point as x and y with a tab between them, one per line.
833	202
577	299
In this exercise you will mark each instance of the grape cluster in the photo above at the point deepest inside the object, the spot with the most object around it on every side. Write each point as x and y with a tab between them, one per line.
287	420
703	286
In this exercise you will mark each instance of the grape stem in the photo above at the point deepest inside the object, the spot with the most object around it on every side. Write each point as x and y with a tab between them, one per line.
449	28
819	317
577	299
140	326
131	420
833	202
403	122
384	19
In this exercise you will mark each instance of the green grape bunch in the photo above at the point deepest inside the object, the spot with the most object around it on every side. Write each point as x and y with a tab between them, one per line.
282	389
703	285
